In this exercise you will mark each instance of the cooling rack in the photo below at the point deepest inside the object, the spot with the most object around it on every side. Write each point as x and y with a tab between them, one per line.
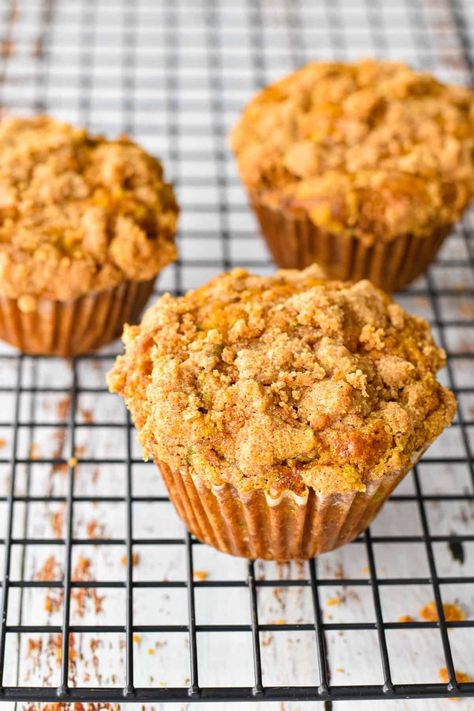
105	598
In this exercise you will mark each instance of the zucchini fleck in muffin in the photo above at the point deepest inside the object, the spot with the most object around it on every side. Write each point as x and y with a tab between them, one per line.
281	410
363	168
86	224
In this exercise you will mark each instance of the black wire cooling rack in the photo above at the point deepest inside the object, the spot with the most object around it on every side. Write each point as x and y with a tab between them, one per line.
174	75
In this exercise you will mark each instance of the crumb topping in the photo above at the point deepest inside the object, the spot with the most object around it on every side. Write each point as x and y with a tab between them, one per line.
78	213
372	149
283	382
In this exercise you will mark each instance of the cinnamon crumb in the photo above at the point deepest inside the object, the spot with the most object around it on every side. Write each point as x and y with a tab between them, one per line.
34	647
135	559
57	522
87	415
452	612
461	677
337	600
94	529
63	407
34	451
82	572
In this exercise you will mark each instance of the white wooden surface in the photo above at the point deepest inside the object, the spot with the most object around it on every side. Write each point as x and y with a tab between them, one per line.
225	659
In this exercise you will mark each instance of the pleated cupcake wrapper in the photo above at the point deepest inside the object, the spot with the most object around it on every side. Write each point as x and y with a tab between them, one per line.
67	328
289	527
296	242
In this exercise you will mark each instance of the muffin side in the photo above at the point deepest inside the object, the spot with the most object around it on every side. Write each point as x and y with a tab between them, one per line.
86	223
276	397
341	161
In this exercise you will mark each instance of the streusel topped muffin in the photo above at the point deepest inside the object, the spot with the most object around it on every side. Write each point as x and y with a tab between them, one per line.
371	151
288	382
86	225
78	213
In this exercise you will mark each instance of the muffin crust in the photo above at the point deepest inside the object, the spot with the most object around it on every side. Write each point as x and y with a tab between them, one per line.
78	213
283	382
371	149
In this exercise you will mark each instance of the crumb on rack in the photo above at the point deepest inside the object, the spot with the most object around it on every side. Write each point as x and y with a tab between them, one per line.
82	572
405	618
94	529
452	612
34	451
35	647
200	575
63	407
461	677
135	559
87	415
336	600
56	519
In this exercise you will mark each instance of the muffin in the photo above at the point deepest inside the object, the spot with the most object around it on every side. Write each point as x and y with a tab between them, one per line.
281	411
363	168
86	224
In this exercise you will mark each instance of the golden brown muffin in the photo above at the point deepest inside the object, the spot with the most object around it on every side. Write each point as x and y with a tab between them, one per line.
282	410
86	224
363	167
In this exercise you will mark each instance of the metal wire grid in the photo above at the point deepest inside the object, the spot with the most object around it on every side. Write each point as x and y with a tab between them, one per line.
151	84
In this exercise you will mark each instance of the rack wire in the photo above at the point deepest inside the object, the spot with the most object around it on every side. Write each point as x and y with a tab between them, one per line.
175	75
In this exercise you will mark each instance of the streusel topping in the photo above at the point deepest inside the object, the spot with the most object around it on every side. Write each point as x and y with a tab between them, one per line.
372	148
78	213
283	382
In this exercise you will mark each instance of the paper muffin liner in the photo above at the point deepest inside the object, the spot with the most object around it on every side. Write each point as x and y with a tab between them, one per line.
288	527
76	326
296	242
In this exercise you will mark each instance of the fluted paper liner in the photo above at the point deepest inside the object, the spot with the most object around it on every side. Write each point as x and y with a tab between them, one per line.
67	328
255	525
296	242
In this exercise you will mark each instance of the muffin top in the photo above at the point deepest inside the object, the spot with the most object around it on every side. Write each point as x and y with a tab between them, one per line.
283	382
372	149
78	213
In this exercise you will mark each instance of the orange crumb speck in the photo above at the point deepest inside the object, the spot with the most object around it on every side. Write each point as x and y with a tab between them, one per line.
72	462
279	621
461	677
340	670
150	651
452	612
405	618
34	451
87	415
2	442
331	601
135	559
200	575
365	570
137	638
